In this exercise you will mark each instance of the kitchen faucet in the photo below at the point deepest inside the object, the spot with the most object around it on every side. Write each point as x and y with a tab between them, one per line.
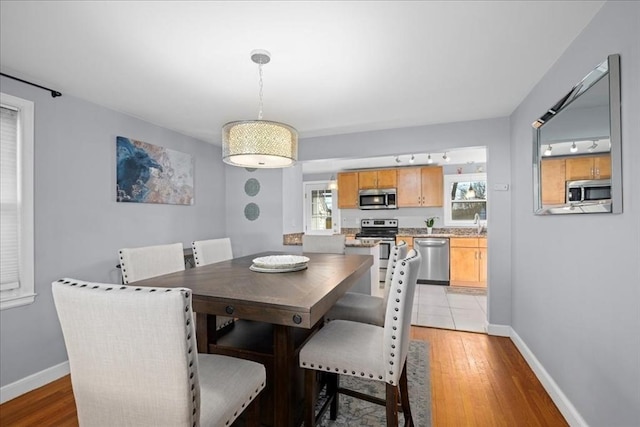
476	220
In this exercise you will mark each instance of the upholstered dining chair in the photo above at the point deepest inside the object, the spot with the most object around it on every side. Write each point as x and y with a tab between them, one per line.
134	362
370	352
368	308
333	244
150	261
209	252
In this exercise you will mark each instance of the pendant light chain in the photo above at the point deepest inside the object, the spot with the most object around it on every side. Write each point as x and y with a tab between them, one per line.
260	105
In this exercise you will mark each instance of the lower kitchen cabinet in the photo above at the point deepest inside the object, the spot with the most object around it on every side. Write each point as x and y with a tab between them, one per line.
468	261
408	240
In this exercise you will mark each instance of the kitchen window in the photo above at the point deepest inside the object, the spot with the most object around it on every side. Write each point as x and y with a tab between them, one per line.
321	213
465	196
16	202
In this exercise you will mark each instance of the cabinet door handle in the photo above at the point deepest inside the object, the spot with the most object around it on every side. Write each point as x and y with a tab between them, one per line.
480	254
475	254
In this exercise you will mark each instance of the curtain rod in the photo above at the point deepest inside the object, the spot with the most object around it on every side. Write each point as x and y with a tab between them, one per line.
54	93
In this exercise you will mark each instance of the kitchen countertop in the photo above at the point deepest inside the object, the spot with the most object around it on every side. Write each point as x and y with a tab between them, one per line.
295	239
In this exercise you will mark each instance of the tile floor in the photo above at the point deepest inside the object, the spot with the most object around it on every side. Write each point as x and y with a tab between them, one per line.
433	306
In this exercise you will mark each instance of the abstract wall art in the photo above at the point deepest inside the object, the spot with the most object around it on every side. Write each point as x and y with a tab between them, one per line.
147	173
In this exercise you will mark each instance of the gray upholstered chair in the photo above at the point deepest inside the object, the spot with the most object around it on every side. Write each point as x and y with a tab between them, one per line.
324	244
366	351
209	252
150	261
134	361
368	308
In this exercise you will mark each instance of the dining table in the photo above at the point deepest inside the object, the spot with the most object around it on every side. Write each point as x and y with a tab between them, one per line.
275	314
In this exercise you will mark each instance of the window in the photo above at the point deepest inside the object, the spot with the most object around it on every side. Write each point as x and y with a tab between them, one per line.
16	202
320	217
465	195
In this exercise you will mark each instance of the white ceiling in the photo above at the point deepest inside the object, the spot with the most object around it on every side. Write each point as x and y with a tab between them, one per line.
337	66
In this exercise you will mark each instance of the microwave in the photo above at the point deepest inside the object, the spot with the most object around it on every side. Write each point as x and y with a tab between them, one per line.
377	199
590	190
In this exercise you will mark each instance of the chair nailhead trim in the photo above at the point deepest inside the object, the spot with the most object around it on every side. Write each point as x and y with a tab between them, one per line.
151	290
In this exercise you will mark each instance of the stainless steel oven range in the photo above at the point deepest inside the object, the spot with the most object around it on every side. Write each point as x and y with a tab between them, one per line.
384	231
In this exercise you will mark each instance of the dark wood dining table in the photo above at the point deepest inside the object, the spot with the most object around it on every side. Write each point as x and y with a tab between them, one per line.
275	314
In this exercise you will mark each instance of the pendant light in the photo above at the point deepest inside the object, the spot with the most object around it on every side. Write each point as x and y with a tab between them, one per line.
259	143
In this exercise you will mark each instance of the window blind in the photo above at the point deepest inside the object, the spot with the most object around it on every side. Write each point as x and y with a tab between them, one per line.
9	201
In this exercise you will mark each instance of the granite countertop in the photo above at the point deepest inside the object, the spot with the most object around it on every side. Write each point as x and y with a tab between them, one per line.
295	239
354	243
442	232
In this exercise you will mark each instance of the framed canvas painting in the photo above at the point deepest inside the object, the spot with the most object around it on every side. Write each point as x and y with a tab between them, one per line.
147	173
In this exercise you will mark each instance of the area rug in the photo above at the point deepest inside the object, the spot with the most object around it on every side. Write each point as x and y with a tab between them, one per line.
465	291
354	412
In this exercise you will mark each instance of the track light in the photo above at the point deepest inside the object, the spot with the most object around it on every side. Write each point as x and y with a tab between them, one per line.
446	158
592	147
412	159
429	159
398	159
547	152
574	148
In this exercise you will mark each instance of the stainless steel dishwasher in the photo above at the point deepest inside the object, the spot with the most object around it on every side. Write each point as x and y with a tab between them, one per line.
434	268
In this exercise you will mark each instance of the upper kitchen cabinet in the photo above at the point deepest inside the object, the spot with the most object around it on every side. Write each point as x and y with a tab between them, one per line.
348	190
553	179
384	178
595	167
420	187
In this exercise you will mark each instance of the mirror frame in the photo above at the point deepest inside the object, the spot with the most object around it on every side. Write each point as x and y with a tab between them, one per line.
613	71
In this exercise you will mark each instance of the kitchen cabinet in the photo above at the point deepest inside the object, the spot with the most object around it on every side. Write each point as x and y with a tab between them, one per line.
552	178
408	240
348	190
383	178
592	167
468	261
420	187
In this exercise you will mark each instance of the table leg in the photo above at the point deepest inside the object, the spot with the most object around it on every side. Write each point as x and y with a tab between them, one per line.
284	375
205	331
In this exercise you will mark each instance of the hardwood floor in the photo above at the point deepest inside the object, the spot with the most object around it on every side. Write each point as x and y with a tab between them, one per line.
476	380
482	380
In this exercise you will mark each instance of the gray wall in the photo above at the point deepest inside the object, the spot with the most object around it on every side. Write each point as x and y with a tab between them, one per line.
264	233
78	225
492	134
576	279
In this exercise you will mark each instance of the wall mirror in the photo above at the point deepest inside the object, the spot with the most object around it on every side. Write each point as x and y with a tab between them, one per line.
577	159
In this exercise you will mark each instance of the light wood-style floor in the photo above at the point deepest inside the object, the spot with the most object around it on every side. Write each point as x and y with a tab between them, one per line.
476	380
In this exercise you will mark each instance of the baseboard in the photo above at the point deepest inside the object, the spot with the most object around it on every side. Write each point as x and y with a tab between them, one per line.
32	382
568	411
499	330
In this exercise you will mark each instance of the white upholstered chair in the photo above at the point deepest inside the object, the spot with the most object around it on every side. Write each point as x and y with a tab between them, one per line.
134	362
333	244
150	261
368	308
209	252
366	351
